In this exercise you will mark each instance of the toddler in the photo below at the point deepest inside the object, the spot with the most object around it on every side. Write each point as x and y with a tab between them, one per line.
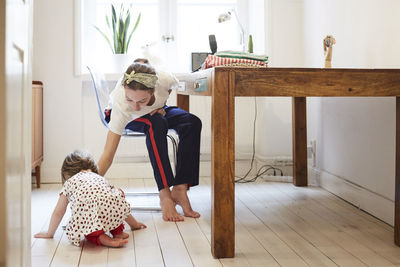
97	207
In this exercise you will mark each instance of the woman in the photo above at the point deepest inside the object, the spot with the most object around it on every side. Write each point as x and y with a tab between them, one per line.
138	104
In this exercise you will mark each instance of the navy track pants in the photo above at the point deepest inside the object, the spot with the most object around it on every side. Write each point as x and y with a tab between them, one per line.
188	128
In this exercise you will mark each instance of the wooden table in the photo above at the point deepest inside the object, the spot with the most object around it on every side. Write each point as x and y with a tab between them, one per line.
224	83
37	129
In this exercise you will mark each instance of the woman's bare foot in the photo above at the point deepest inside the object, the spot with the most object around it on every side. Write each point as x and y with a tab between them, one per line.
105	240
168	206
179	195
122	235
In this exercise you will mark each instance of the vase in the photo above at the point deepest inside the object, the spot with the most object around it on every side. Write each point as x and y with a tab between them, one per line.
117	63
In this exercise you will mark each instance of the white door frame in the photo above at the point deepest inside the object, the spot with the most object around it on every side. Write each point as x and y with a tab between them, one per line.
15	132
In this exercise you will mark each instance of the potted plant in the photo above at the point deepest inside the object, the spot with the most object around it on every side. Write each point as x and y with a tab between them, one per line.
119	27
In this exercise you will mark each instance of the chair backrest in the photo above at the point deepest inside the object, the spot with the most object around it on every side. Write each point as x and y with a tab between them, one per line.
101	91
102	94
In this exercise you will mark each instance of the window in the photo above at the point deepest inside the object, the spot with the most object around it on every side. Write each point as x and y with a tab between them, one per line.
169	30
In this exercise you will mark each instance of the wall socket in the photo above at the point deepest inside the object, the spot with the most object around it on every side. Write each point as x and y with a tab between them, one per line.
311	152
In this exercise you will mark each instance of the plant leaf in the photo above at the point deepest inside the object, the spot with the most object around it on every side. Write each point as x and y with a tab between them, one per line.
108	22
137	22
119	28
125	33
120	36
134	28
114	15
114	29
105	36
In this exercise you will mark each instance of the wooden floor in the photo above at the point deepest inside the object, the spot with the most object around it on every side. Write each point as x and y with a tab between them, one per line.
277	224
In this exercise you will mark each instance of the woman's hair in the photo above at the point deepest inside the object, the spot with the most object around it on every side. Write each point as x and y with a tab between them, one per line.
76	162
138	67
142	60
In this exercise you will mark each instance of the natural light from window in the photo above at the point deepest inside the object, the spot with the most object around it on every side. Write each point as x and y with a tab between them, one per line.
168	32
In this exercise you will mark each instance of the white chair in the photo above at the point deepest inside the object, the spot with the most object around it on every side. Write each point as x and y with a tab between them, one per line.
101	90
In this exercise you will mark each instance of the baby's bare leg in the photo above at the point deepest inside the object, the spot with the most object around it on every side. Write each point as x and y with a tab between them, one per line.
105	240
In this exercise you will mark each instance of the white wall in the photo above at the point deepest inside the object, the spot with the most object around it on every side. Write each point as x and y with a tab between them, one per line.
284	46
355	137
53	43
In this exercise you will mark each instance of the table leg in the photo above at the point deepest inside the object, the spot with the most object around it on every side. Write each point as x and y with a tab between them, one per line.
397	180
223	166
183	102
37	174
299	133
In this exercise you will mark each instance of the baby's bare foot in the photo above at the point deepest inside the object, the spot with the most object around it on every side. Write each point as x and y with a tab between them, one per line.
168	207
179	195
117	243
105	240
122	235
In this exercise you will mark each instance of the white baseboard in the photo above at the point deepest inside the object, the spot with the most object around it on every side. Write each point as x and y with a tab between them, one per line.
140	167
288	176
144	170
360	197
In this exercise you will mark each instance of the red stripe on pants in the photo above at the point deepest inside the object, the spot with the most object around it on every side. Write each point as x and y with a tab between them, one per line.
155	150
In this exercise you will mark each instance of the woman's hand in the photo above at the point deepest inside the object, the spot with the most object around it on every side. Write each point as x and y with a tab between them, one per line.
43	235
159	110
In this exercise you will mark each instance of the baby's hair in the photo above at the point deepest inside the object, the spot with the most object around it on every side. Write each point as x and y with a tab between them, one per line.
76	162
139	68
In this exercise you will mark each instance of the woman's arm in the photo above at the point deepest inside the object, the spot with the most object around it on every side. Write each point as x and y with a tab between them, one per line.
56	218
109	151
160	110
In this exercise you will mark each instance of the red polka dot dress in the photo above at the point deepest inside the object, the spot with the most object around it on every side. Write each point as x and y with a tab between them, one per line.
95	205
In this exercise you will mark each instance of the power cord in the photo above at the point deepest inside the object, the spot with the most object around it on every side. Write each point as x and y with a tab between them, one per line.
259	172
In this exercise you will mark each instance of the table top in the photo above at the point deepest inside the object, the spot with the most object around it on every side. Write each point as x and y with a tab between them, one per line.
296	82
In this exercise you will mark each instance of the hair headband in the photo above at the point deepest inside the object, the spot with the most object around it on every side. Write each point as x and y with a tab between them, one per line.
148	80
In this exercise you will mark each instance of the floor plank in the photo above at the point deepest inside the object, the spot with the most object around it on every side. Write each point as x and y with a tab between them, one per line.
43	250
200	197
93	255
196	243
125	256
360	230
272	243
66	255
172	246
40	208
334	227
306	226
147	246
303	248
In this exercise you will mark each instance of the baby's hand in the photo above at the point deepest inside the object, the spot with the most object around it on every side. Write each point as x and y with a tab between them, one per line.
43	235
138	225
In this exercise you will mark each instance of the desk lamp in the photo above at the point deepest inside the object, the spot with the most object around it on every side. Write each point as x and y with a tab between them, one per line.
227	16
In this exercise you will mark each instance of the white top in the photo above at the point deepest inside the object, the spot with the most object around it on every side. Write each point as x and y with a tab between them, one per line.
122	113
95	205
